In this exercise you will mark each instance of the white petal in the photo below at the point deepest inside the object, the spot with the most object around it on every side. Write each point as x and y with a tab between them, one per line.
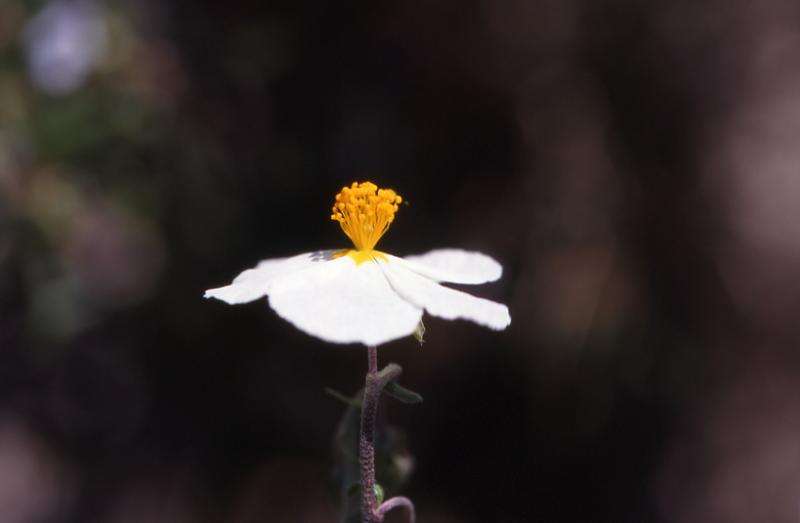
454	266
341	302
444	302
255	283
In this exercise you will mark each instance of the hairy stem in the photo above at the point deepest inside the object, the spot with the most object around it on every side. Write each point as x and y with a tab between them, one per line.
366	441
373	387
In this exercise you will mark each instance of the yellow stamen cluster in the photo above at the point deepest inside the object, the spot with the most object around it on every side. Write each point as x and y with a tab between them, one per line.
365	212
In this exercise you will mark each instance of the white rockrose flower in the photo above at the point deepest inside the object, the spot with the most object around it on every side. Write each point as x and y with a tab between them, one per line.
363	295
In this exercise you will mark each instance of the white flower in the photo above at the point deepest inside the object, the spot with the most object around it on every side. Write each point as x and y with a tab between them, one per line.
363	295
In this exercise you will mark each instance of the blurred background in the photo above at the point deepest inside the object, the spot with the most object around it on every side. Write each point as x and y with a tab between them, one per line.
633	165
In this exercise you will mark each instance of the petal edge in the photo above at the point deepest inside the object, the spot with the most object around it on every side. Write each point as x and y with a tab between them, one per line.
445	302
255	283
454	266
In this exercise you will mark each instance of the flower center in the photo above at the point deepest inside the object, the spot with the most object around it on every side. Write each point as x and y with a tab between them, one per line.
365	212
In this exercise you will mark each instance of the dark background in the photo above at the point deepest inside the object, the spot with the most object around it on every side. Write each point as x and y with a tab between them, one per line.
633	165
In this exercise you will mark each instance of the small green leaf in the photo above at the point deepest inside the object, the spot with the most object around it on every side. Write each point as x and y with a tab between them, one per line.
402	394
378	493
419	333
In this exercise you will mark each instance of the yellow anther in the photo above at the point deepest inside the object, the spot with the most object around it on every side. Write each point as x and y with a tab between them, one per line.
364	212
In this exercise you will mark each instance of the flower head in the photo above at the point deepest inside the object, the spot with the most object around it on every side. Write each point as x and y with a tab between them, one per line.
363	295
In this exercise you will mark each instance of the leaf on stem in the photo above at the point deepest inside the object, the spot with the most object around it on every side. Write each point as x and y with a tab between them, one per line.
402	394
379	495
390	372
